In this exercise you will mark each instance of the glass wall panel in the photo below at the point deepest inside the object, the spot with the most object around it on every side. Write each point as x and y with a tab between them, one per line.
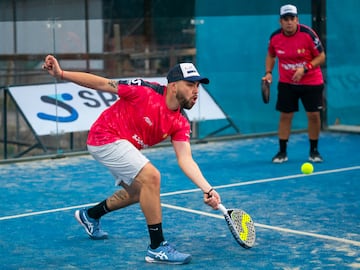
343	62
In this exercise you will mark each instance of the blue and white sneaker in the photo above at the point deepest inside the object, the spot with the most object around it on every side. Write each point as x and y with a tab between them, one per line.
91	225
166	254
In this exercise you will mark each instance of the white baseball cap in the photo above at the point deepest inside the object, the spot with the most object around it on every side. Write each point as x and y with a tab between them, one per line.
288	10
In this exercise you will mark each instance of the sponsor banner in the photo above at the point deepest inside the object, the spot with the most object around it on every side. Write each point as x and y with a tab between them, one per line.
67	107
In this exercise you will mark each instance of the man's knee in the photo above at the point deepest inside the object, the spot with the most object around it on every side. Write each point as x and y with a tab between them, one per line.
313	116
149	175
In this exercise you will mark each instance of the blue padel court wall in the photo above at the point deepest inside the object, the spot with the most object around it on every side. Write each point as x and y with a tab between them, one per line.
231	41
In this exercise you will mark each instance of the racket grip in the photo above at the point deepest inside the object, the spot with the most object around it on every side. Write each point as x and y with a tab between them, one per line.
222	208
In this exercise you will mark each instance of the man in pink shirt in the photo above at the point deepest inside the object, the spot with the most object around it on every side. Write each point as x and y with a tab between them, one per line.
146	114
300	54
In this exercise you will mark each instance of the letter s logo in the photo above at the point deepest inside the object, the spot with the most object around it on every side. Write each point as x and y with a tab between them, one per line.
57	101
244	234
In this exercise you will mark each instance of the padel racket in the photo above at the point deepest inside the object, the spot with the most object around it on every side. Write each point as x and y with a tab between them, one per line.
241	226
265	91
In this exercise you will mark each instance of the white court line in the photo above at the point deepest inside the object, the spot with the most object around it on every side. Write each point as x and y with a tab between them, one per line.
352	242
46	211
274	179
315	235
282	178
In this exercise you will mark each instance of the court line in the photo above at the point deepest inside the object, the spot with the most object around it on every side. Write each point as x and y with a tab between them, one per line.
315	235
282	178
320	236
47	211
273	179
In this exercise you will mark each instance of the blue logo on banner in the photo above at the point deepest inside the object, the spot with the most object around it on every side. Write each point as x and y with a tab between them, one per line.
58	100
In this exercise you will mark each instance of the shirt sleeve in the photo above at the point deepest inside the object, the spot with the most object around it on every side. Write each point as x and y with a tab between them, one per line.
182	133
317	46
271	50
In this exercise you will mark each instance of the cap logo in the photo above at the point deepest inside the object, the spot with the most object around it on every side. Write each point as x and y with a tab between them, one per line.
188	70
288	9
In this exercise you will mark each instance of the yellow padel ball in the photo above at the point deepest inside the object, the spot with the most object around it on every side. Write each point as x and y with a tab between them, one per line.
307	168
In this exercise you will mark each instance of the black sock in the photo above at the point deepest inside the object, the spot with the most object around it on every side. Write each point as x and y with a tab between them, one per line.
98	210
156	235
313	145
283	145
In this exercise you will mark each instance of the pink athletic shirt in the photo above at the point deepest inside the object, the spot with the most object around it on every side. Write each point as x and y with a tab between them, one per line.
294	52
139	116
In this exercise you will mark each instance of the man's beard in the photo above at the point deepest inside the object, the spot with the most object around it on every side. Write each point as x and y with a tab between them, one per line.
184	103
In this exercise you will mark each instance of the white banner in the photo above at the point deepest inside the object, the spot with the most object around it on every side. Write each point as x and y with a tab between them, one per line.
67	107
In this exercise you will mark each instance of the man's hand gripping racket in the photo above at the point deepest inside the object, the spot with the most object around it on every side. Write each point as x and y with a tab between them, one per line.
241	226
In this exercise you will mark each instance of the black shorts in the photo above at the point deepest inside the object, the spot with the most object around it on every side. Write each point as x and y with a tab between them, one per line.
288	97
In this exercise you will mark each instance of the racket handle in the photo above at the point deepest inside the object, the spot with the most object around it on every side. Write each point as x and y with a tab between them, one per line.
222	208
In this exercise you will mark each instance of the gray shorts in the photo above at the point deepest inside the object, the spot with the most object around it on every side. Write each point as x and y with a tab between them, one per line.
122	159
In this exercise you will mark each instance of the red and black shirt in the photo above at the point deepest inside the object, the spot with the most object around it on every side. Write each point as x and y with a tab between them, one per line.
294	52
140	116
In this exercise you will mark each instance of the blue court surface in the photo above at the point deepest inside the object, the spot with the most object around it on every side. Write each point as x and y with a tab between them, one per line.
303	221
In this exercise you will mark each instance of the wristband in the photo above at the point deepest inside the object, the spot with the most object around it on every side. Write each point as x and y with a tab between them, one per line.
208	193
269	71
307	67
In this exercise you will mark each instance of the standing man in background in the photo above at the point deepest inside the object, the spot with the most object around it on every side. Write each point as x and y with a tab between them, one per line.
300	54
